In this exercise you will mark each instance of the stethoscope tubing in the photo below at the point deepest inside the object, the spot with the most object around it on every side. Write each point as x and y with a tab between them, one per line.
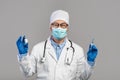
68	63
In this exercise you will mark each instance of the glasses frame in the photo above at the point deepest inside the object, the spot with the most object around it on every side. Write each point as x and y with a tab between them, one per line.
62	25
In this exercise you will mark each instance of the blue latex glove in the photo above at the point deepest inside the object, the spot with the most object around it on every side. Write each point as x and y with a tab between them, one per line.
22	45
92	53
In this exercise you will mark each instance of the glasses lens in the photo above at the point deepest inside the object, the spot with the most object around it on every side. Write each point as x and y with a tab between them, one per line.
62	25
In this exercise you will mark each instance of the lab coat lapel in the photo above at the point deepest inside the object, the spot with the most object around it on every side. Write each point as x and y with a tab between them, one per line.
63	53
50	50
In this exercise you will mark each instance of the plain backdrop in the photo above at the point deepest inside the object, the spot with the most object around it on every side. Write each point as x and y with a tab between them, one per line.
98	19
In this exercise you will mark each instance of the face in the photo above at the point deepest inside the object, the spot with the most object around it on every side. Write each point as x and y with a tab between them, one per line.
59	29
59	23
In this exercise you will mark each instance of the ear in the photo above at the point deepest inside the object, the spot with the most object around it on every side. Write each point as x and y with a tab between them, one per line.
67	28
50	28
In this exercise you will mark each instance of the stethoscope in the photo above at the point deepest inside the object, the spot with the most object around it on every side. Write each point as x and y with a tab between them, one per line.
68	57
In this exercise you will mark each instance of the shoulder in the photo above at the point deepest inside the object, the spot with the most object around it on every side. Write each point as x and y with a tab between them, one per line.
78	49
37	49
76	46
39	45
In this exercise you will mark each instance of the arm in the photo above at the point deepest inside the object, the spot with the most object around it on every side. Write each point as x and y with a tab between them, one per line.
88	64
27	62
84	70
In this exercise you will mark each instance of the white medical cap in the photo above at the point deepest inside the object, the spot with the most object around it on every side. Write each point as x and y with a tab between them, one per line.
59	15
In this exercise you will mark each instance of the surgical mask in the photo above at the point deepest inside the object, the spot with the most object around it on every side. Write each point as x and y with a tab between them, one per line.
59	33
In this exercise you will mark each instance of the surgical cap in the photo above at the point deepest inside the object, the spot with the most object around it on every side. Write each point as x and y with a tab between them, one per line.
59	15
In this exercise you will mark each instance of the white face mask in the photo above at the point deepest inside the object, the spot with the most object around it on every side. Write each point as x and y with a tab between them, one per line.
59	33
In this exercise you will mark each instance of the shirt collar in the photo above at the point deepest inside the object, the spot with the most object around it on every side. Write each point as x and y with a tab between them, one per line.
54	44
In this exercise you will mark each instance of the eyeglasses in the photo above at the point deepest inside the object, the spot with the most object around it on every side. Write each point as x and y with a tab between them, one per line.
62	25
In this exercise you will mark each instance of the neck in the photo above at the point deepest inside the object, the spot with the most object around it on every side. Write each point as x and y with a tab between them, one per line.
58	41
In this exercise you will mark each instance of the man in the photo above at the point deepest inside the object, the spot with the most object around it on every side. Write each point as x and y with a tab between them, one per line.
57	58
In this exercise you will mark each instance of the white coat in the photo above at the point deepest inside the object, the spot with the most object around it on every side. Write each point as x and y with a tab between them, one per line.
53	69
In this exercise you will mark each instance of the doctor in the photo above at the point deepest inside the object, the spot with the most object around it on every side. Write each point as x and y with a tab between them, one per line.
57	58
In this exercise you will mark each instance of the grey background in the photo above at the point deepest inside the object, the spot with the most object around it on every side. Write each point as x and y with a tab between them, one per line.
99	19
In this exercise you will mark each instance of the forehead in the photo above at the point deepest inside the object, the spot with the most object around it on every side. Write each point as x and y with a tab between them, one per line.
59	21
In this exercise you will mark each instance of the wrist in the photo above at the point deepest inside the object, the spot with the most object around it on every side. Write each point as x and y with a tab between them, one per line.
91	63
20	56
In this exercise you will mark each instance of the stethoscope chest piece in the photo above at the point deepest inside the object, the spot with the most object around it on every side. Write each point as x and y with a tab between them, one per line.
69	56
42	60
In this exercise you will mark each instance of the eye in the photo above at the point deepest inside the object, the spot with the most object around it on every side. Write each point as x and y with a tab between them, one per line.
64	25
55	24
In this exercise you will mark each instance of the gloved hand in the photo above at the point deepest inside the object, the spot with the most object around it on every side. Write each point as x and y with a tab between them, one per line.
92	53
22	45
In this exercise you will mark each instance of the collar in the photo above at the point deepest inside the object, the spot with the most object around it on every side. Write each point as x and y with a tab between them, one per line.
54	44
49	45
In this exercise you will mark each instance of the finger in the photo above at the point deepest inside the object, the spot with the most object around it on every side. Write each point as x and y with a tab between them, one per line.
23	39
19	40
92	47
